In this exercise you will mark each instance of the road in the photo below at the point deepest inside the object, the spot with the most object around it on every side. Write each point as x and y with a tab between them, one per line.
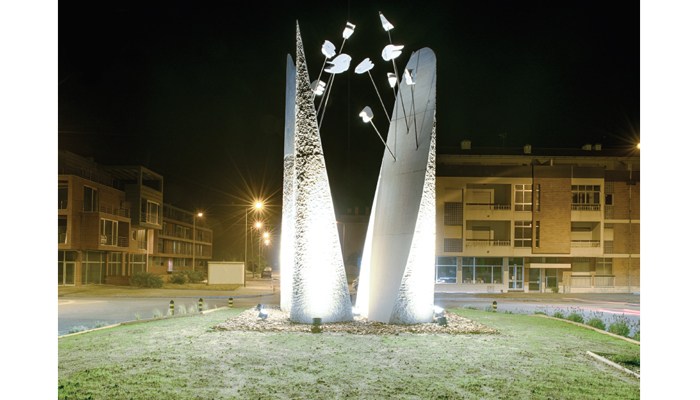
87	311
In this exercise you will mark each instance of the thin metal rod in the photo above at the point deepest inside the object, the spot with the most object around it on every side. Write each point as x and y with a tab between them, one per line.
330	86
245	252
413	99
382	139
378	95
319	77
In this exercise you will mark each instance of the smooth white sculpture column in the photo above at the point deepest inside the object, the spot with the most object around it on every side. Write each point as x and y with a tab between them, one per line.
320	288
288	218
398	268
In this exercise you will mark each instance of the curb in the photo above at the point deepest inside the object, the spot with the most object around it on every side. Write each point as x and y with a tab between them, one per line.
589	327
612	364
174	297
146	320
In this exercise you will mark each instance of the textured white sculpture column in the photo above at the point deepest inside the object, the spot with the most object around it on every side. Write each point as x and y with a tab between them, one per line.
320	288
398	268
288	218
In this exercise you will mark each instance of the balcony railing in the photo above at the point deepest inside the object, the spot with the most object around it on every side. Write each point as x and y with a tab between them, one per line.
63	204
585	244
141	245
581	281
109	240
488	206
62	237
585	207
151	219
115	210
488	242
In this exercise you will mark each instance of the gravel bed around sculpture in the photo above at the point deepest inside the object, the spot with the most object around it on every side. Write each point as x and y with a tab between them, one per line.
278	321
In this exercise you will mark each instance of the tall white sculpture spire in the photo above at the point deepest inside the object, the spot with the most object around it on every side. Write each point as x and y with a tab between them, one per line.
288	218
398	266
320	287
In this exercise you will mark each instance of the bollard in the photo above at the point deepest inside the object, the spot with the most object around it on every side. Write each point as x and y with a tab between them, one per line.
442	321
201	305
316	328
172	307
230	302
495	307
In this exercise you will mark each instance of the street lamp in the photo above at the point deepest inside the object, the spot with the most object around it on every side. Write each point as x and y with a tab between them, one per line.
194	237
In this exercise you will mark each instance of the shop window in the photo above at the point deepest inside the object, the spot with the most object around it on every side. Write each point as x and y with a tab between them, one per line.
446	270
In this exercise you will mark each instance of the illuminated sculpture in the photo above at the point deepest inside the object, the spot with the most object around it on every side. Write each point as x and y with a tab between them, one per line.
319	284
397	273
287	242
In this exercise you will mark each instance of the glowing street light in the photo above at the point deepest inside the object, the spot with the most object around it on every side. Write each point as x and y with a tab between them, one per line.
266	235
258	205
194	236
367	116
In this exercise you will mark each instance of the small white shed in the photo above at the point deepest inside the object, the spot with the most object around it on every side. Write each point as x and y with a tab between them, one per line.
226	273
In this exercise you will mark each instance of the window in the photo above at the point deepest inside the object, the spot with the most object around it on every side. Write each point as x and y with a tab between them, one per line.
178	231
150	212
581	266
453	245
537	197
537	234
603	266
161	245
93	267
138	263
523	234
108	232
446	270
453	214
62	229
585	194
523	197
141	239
114	265
89	199
62	195
482	270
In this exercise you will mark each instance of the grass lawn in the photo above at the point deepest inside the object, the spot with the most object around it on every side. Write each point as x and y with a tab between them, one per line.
182	359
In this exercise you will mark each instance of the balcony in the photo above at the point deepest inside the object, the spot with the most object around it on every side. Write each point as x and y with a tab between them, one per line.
585	244
488	242
141	245
488	206
112	209
585	207
62	238
109	240
151	218
63	204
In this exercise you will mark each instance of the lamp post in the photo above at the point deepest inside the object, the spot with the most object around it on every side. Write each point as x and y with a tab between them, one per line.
194	237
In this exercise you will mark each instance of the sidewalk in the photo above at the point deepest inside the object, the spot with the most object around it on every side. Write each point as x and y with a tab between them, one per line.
254	287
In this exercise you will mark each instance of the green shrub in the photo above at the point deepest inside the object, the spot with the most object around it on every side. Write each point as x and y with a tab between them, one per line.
146	279
596	323
178	278
627	359
619	328
508	312
540	313
557	314
195	276
488	308
78	328
555	289
636	336
575	317
100	324
157	313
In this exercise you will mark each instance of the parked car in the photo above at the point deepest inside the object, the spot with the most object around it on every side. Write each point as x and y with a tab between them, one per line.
267	273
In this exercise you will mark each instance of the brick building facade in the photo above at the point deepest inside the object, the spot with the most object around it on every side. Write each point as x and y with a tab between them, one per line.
111	221
534	219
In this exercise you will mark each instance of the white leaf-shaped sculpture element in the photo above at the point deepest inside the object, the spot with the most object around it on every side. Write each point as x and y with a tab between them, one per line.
409	76
391	51
385	23
318	87
339	64
349	30
364	66
328	49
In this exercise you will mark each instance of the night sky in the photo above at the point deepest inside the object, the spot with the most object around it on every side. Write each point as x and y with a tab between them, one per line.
197	95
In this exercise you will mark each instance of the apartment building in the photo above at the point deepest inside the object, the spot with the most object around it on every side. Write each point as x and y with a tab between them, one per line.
535	219
109	219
